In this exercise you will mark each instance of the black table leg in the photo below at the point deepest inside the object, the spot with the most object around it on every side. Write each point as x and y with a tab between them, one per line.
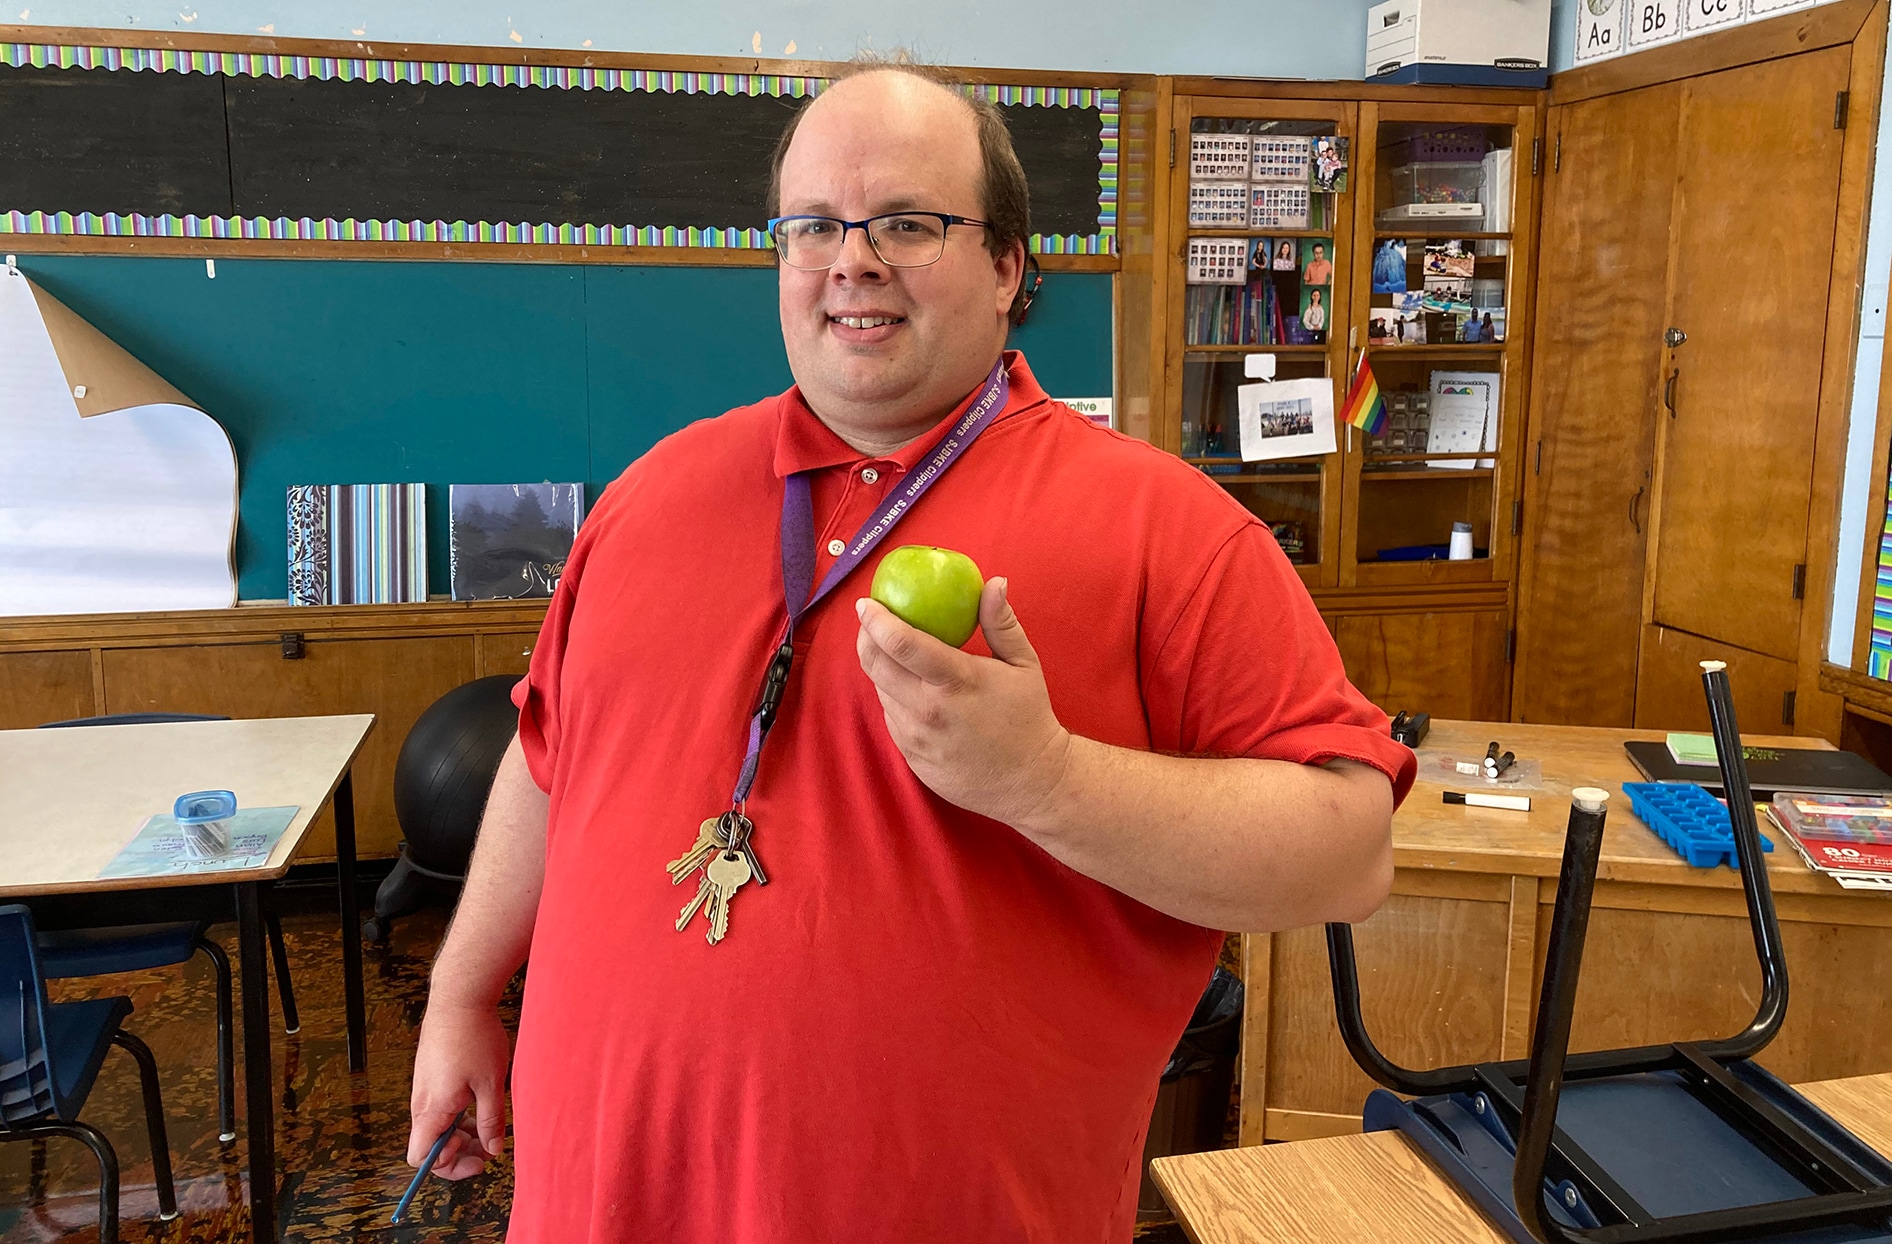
258	1079
351	924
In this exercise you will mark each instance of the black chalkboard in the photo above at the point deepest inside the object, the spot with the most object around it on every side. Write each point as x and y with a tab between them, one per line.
139	141
104	140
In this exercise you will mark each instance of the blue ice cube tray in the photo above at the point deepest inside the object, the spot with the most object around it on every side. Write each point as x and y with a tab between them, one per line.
1689	819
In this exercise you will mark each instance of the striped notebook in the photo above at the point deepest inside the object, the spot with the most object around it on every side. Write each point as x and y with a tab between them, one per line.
357	544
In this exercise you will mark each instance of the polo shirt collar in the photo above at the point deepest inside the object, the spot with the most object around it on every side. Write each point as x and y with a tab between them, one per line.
804	443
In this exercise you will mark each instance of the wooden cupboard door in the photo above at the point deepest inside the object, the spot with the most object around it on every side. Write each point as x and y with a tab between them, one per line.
504	652
395	679
1432	985
38	687
1756	205
1449	664
1589	462
1669	692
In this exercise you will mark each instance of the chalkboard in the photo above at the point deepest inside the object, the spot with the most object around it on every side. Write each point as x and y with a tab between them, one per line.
137	141
352	372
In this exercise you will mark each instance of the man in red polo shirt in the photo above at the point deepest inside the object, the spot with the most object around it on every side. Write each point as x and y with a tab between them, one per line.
994	876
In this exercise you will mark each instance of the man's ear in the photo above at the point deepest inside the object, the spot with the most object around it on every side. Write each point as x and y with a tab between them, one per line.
1010	269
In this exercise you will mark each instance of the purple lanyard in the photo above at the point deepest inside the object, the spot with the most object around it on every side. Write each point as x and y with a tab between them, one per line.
798	550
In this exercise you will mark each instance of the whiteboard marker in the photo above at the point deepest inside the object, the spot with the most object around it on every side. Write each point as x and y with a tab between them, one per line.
1476	799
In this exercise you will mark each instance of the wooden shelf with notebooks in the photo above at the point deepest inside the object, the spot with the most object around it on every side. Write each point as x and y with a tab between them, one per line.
1298	229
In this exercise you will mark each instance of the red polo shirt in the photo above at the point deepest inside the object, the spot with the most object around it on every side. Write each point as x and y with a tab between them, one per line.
925	1028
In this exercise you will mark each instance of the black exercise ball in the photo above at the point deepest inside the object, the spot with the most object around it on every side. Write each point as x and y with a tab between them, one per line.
446	769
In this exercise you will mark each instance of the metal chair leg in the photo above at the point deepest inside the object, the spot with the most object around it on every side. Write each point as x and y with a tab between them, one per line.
101	1148
291	1022
154	1121
226	1041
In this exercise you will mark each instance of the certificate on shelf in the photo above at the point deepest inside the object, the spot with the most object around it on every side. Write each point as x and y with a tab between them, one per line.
1285	419
1464	417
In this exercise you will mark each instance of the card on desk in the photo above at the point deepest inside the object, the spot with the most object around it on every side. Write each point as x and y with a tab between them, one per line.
159	848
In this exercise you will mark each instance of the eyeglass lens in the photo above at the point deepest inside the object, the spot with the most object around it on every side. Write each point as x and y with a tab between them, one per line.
902	241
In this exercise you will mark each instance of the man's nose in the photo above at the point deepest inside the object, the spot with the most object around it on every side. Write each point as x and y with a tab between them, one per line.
858	259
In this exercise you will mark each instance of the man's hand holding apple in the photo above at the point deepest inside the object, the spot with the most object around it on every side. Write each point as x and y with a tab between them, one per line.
979	731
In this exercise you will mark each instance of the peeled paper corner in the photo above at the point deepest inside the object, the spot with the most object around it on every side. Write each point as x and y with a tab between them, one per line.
117	493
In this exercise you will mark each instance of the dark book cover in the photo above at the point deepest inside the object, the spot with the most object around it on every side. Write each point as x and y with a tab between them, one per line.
1815	771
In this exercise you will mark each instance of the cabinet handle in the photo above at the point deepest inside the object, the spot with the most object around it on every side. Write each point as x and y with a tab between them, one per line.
1668	392
1634	519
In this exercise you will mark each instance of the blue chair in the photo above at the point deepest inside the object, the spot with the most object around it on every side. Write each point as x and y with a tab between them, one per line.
141	947
50	1054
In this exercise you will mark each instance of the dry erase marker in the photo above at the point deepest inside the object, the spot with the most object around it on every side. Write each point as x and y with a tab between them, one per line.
1477	799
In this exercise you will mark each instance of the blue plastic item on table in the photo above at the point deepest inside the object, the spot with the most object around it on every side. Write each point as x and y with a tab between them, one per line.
1689	819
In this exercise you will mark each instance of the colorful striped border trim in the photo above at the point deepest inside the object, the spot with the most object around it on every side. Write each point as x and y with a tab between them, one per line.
472	73
305	229
1106	100
1879	655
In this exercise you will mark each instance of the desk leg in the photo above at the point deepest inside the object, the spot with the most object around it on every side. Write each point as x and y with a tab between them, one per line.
351	924
258	1079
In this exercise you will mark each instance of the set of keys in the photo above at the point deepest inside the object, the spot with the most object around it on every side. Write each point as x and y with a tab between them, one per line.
722	850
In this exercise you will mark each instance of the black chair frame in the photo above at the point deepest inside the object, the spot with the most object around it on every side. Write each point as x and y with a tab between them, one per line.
102	1150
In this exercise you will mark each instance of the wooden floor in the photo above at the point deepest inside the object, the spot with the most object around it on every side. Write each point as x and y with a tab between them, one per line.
340	1140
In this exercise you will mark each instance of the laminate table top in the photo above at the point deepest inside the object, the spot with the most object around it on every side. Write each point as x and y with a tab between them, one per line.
70	799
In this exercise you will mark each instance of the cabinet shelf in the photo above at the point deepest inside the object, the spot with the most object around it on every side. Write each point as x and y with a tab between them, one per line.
1436	352
1205	231
1444	232
1239	350
1369	475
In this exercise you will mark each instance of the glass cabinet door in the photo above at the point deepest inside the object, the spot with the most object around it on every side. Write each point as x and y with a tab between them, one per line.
1434	483
1262	272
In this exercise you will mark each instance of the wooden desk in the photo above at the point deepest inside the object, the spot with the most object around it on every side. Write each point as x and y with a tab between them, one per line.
1378	1188
1449	967
71	798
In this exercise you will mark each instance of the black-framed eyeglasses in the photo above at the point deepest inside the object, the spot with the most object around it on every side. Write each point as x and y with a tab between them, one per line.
901	239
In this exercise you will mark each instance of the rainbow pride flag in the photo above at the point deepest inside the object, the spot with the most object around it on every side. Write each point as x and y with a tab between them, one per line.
1365	408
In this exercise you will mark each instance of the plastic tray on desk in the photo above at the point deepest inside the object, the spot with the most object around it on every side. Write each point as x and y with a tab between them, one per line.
1689	819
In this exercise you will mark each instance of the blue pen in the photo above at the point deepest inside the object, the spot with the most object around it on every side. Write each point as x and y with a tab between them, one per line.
433	1156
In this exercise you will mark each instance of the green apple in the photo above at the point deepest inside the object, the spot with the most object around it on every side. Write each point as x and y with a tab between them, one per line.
936	590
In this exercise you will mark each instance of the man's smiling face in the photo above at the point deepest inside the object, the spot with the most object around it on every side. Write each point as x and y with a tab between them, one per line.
872	345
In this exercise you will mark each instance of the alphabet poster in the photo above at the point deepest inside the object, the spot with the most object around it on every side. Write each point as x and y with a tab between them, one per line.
116	492
1701	16
1599	30
1653	22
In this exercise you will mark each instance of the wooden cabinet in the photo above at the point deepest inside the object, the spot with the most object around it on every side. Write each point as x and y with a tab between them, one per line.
38	687
1756	174
1697	250
503	652
1668	687
1419	634
1450	663
389	660
1590	461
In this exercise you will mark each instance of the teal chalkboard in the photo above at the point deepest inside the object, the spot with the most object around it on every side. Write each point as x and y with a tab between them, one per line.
348	372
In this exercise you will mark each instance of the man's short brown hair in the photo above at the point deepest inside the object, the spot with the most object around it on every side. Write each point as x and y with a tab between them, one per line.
1004	198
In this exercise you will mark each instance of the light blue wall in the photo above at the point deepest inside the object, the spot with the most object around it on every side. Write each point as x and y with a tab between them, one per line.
1243	38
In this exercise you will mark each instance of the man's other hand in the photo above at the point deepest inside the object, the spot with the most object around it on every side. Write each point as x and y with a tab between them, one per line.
979	731
461	1061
